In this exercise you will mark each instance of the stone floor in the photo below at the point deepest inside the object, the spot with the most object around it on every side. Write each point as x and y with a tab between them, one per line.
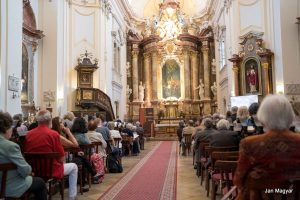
188	185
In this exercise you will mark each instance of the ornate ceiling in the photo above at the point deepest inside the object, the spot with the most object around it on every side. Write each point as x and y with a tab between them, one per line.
144	9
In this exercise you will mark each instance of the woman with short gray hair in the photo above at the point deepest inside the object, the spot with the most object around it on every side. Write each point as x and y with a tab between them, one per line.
274	155
223	124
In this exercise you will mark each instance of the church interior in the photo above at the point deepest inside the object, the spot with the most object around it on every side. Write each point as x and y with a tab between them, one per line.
150	99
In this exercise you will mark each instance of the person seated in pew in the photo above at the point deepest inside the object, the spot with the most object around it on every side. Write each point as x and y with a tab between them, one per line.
112	129
189	130
69	119
18	181
223	136
43	139
103	129
203	135
96	137
67	139
79	130
114	133
274	155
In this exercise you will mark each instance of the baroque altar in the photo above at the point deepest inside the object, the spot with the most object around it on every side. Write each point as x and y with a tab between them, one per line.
171	60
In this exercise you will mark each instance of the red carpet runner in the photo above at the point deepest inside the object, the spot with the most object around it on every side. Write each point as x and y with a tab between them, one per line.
153	178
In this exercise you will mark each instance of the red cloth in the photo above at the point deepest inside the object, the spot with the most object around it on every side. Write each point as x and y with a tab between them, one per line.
43	139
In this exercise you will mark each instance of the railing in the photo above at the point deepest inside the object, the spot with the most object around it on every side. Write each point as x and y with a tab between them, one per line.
93	97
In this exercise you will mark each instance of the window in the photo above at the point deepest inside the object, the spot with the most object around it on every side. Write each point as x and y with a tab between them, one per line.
116	57
222	53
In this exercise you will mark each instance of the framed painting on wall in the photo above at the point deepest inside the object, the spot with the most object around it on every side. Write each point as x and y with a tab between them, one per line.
251	76
13	83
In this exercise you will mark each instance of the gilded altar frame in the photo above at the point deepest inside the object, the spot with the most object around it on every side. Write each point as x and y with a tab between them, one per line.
243	77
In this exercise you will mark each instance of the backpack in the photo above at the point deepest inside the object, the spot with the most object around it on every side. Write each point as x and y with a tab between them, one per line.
113	164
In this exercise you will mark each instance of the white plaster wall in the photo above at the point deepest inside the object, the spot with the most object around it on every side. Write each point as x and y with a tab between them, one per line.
11	52
290	41
276	20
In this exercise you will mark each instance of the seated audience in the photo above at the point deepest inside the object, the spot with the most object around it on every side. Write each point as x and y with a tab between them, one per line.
241	122
103	129
96	137
189	130
18	181
43	139
19	125
198	126
140	132
113	132
66	137
179	131
203	135
233	116
68	119
79	130
68	141
253	121
223	137
271	156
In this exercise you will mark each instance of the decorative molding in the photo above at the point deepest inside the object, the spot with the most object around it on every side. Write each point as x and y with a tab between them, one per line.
106	7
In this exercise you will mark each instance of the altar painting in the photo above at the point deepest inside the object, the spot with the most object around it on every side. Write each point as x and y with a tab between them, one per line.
171	80
251	78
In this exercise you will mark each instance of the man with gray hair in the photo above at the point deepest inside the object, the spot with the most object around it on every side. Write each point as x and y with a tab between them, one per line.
202	136
223	136
44	139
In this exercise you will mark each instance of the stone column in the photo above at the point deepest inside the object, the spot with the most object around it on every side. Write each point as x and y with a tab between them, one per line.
235	62
159	77
135	75
187	75
154	75
205	50
265	63
195	78
147	80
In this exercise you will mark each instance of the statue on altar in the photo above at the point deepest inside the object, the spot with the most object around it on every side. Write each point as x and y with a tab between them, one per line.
141	91
128	69
128	93
201	89
214	89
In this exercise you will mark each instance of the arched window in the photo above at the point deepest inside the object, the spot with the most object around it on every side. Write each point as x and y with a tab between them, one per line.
222	51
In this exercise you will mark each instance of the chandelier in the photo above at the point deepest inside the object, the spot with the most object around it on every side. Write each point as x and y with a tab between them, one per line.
169	22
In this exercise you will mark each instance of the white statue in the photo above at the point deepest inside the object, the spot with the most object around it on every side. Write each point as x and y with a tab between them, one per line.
201	89
214	89
128	93
141	91
128	69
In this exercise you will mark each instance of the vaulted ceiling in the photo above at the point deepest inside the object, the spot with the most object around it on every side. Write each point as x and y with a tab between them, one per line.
144	9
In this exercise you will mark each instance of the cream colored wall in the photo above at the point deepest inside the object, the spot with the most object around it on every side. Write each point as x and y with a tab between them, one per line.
10	52
276	20
70	28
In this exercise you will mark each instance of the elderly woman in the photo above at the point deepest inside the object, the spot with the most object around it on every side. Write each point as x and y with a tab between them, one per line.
274	155
19	180
223	136
68	119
